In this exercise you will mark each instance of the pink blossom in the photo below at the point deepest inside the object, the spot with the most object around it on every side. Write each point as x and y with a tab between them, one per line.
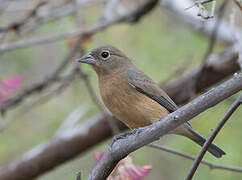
98	156
8	86
125	169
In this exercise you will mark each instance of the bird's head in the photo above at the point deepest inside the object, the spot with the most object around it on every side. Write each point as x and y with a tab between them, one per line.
106	60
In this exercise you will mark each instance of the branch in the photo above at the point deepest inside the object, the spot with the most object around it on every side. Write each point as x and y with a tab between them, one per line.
188	156
15	26
80	22
38	87
239	4
64	82
91	91
201	9
212	136
54	14
213	36
216	69
210	48
133	16
190	18
121	148
85	78
46	156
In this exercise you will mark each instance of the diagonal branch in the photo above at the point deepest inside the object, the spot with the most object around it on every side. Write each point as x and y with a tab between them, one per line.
133	15
15	26
212	136
191	157
190	18
217	68
238	3
148	134
213	36
38	87
201	9
46	156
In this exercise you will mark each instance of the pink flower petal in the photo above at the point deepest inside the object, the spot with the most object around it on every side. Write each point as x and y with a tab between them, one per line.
8	85
144	170
138	172
12	82
98	156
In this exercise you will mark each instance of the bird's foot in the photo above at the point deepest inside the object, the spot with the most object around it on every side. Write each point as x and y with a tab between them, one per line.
136	132
119	136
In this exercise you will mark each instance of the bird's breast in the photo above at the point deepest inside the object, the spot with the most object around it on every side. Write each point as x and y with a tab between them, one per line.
128	105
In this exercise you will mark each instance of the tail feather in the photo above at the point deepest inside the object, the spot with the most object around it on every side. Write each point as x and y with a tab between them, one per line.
200	140
213	149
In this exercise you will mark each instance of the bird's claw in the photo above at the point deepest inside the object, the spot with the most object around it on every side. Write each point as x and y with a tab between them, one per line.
136	132
117	137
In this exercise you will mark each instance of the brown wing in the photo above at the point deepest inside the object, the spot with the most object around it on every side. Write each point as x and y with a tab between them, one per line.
145	85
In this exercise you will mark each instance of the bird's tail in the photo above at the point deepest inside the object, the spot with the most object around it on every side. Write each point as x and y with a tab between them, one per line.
200	140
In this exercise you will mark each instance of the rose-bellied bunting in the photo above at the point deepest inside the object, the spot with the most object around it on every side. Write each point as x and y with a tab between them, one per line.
132	96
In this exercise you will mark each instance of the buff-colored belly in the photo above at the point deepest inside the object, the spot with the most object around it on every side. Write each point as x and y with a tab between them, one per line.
133	108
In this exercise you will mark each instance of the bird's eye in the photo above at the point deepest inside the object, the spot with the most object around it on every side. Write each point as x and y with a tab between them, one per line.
105	54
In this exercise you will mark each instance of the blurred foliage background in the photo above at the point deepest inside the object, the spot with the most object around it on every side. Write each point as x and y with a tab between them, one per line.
158	45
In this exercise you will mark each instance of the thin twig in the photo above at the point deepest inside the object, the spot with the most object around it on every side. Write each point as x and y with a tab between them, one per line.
239	4
202	10
238	44
80	22
178	72
15	26
91	91
85	78
134	14
64	83
213	8
213	37
96	101
56	14
212	136
190	19
191	157
200	2
38	87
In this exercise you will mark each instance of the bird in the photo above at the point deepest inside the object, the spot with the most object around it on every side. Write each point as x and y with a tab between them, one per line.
133	97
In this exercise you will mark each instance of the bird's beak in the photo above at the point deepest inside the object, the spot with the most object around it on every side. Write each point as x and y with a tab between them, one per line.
88	58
